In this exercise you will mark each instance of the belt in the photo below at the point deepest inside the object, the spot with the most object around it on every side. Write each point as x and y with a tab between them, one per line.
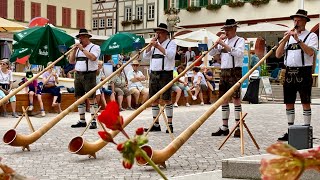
302	67
86	72
230	69
81	59
161	72
157	56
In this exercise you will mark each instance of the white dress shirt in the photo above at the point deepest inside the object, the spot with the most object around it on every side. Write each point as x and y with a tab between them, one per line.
93	65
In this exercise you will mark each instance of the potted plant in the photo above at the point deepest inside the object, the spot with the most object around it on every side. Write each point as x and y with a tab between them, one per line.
213	7
171	10
259	2
136	21
125	23
285	1
236	4
193	8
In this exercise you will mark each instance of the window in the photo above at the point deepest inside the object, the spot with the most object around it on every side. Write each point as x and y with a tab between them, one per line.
216	2
51	14
95	23
35	10
66	17
102	23
128	13
4	8
139	14
80	18
174	4
195	3
19	10
109	22
151	12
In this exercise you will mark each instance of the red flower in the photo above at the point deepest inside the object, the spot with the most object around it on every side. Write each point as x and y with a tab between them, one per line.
106	136
111	117
127	164
120	147
139	131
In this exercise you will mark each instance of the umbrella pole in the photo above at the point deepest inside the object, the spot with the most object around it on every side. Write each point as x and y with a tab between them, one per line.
14	92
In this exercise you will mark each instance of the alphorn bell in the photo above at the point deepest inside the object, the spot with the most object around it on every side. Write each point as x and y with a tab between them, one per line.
12	93
79	146
160	156
11	137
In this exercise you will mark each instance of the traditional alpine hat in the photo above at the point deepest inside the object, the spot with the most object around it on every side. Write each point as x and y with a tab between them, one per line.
162	26
230	23
83	32
301	13
135	62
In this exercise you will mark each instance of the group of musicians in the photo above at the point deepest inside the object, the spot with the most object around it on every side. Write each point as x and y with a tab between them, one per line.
298	47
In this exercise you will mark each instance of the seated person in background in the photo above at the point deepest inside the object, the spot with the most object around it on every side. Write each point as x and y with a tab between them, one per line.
136	88
199	84
6	81
50	79
119	87
34	89
182	84
68	70
215	61
210	81
176	89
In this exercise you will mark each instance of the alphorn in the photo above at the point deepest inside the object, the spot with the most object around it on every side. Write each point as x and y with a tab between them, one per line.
160	156
11	137
14	92
79	146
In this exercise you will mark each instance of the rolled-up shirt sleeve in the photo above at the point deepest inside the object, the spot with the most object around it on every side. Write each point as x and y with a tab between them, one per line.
214	52
147	55
238	51
171	50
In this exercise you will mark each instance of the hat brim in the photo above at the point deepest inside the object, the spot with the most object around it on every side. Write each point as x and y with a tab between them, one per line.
159	28
228	26
300	15
77	36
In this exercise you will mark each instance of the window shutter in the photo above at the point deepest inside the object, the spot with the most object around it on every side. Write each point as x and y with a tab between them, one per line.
51	14
16	9
203	3
33	10
166	4
4	8
183	4
38	9
22	10
80	18
68	17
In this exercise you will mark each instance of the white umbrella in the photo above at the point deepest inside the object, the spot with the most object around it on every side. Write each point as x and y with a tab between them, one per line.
179	42
6	25
197	36
262	29
95	37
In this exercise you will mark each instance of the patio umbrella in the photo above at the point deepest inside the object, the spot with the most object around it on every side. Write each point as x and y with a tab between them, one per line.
179	42
44	42
5	51
262	29
120	43
6	25
38	21
20	53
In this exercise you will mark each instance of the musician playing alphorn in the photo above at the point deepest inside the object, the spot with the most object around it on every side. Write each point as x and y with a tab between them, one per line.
231	48
162	60
298	48
85	56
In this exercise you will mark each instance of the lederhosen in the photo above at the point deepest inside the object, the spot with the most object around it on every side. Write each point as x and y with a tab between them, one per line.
230	76
158	79
297	79
84	80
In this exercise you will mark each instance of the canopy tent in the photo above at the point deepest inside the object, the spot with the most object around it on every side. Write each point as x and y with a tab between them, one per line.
262	29
179	42
6	25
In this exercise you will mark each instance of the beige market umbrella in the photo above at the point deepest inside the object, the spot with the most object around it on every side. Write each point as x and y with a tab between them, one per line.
262	29
6	25
179	42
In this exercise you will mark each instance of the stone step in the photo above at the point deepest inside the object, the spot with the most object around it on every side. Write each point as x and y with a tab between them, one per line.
248	168
211	175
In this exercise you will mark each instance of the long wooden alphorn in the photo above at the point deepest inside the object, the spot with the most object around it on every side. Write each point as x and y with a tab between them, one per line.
79	146
14	92
11	137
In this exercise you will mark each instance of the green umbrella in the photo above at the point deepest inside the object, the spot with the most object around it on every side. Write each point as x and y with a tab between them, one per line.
120	43
44	42
19	53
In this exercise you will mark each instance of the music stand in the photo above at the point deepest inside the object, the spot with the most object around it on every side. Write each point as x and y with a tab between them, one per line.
203	47
240	124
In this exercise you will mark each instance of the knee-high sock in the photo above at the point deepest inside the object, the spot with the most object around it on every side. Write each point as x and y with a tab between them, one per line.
169	112
225	112
155	112
81	110
290	116
93	107
307	117
237	111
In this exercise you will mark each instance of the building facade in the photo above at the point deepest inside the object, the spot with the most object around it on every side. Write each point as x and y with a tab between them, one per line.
104	22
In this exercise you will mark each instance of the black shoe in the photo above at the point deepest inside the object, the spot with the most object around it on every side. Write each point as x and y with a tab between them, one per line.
236	133
79	124
93	125
285	137
220	132
153	128
171	128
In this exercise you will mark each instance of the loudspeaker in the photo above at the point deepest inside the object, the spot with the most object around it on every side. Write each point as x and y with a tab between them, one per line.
300	136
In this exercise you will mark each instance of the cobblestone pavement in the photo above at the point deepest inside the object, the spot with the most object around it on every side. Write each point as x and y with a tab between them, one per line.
49	157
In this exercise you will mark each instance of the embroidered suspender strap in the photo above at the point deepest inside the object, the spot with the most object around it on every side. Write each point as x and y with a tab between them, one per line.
302	52
233	64
87	60
164	57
